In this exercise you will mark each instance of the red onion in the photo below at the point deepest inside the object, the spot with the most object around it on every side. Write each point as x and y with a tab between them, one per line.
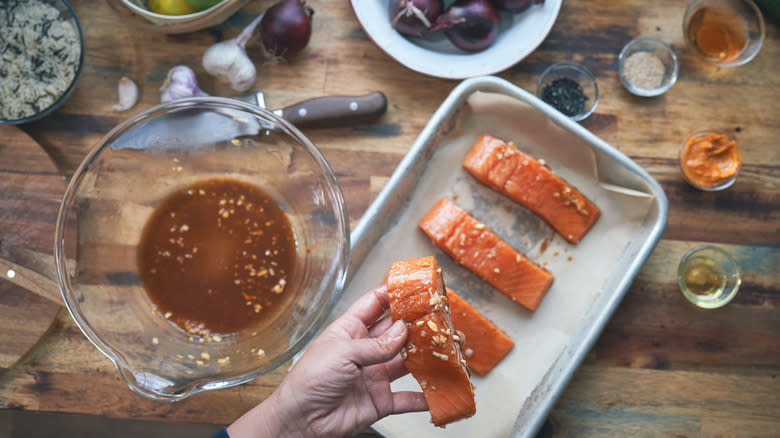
286	27
414	17
471	25
514	5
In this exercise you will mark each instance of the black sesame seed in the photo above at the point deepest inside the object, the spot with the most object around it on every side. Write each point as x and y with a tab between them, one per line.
565	95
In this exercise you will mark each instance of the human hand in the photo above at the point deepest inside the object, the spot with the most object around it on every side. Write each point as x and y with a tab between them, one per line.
341	384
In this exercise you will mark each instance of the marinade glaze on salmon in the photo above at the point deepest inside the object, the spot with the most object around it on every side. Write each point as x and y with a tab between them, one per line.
471	244
432	353
485	344
529	182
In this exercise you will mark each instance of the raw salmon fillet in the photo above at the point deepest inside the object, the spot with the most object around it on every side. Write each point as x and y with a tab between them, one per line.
485	344
471	244
529	182
432	355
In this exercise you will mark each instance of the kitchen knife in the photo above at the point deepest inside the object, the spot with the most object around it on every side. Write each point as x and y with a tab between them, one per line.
327	111
192	129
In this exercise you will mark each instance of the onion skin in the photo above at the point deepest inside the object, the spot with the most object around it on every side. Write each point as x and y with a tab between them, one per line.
514	5
414	17
286	28
471	25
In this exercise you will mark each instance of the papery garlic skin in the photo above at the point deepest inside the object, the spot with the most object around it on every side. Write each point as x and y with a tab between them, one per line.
179	84
229	62
128	94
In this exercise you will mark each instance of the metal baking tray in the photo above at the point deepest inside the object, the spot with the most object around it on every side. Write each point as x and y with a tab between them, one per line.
634	215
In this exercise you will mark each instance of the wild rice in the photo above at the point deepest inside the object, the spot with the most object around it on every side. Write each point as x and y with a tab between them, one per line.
39	55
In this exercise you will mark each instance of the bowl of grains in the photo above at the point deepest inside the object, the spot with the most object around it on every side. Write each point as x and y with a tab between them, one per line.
570	88
41	55
213	242
647	67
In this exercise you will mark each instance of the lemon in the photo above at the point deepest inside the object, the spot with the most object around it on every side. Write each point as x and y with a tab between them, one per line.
171	7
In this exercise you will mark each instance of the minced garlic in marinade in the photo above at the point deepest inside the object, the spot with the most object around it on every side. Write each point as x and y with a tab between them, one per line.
39	55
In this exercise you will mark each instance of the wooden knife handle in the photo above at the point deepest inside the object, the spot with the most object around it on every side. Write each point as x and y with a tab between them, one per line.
331	111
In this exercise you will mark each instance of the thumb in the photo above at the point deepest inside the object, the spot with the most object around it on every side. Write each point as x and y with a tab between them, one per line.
371	351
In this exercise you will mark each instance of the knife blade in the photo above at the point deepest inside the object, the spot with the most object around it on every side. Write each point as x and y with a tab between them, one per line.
327	111
194	129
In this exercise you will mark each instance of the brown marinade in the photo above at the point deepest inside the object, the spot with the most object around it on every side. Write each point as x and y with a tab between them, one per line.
217	257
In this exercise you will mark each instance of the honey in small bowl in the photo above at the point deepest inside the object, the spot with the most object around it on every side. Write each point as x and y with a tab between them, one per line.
727	33
709	277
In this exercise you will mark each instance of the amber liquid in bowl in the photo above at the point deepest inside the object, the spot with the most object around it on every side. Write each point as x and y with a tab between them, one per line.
708	277
704	277
717	33
216	257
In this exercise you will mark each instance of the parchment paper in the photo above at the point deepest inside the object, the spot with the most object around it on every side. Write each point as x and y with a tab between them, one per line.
579	271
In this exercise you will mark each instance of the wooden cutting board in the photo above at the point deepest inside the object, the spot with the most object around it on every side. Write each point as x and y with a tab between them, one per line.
30	192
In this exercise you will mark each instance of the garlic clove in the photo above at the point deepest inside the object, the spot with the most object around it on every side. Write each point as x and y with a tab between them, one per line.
128	94
179	84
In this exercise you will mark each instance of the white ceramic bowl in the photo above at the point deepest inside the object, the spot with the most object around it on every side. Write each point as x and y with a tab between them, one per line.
136	13
155	18
520	35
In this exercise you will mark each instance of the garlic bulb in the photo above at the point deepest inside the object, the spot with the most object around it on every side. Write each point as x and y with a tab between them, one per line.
128	94
180	83
228	61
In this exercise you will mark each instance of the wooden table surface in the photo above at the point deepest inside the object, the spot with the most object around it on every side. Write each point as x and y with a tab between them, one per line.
661	366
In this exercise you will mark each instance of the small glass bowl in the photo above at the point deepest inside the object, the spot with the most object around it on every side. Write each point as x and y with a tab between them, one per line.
713	273
748	17
578	73
68	14
659	49
709	188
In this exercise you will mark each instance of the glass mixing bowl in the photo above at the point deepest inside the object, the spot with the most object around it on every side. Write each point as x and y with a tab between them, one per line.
131	171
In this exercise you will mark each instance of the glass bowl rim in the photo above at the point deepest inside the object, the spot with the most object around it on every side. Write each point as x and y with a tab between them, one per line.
68	91
726	256
111	352
761	34
561	66
655	91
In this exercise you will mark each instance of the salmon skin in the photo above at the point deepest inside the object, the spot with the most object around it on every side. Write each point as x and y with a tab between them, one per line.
471	244
432	354
485	344
529	182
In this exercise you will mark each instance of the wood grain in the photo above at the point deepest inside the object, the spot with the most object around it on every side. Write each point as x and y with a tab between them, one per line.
661	367
30	190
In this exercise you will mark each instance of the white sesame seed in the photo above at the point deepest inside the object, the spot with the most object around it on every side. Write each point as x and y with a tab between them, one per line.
441	356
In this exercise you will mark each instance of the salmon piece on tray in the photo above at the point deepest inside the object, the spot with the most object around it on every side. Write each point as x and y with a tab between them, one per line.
432	353
471	244
485	344
527	181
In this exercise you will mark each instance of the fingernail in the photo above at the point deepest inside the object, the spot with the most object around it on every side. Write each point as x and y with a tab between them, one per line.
396	330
